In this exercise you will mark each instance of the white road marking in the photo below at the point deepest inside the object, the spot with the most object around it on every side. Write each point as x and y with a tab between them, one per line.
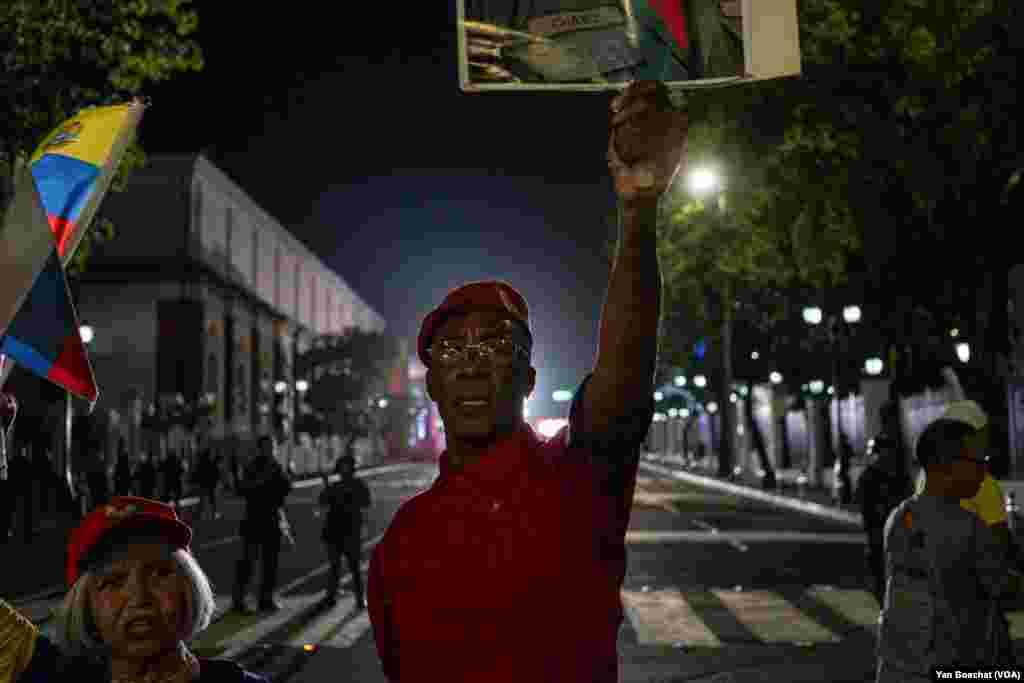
323	625
739	545
856	606
350	632
322	568
663	617
773	619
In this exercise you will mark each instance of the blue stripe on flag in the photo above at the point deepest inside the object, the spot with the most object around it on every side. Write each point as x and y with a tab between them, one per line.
25	355
64	184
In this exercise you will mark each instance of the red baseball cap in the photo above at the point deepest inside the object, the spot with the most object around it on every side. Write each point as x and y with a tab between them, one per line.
121	513
474	296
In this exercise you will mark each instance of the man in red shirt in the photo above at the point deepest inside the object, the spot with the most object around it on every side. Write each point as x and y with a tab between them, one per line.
515	522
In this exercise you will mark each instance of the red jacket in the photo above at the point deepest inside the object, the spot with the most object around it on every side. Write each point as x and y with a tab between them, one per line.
510	568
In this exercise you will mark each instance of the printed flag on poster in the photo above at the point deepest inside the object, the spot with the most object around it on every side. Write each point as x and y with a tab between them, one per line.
54	202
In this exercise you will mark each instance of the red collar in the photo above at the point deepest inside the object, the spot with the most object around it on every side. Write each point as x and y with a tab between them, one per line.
506	457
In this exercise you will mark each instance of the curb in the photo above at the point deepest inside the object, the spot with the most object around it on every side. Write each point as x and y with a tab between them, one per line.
806	507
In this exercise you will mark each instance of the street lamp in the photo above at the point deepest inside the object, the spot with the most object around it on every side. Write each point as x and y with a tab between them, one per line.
775	378
963	352
837	330
681	381
87	333
703	181
280	387
700	381
873	366
301	386
812	315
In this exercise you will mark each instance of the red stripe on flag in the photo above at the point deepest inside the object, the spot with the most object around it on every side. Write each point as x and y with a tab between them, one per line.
71	369
671	12
62	229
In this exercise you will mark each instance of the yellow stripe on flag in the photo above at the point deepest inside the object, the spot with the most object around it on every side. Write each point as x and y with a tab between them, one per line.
89	136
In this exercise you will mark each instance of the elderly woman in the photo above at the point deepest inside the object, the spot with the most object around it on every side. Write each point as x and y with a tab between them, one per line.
136	596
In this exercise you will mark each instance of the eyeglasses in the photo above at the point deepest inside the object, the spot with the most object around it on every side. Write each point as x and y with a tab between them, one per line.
499	349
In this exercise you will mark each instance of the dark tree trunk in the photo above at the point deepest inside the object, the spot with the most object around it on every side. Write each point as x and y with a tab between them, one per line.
768	482
726	449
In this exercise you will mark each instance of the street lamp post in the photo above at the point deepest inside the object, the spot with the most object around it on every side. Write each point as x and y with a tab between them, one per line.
837	330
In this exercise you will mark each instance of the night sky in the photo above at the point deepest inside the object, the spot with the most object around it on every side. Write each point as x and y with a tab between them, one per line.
350	129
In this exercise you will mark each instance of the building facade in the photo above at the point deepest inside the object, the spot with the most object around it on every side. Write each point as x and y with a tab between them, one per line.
203	294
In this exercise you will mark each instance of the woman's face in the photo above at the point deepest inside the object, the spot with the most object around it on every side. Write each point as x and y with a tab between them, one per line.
139	601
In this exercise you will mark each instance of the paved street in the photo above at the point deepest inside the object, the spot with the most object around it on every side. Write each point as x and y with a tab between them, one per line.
719	587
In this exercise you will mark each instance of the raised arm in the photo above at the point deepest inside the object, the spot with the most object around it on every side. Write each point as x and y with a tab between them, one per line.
645	152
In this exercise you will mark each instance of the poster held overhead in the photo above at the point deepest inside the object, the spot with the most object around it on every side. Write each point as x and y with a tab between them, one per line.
602	45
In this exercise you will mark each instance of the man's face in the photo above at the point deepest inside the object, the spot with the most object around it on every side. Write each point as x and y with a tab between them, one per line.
138	602
480	399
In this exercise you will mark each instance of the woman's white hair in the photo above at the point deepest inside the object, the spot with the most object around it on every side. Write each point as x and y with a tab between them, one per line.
74	628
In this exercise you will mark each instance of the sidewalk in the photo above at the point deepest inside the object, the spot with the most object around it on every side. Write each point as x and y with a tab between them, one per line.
789	492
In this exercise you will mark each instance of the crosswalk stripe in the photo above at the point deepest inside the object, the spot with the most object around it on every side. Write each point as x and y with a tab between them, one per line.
1016	620
664	617
244	639
321	627
854	605
350	632
772	618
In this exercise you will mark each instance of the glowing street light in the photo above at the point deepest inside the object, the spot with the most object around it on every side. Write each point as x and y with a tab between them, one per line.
754	355
87	333
302	386
963	352
733	397
873	366
703	181
812	315
775	378
658	396
280	387
851	314
954	333
712	407
681	381
700	381
672	412
817	386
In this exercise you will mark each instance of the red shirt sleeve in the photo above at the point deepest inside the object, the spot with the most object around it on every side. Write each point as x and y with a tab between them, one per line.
613	456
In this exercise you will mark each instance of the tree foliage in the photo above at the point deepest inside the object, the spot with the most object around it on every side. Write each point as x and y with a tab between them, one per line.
901	131
59	56
347	370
